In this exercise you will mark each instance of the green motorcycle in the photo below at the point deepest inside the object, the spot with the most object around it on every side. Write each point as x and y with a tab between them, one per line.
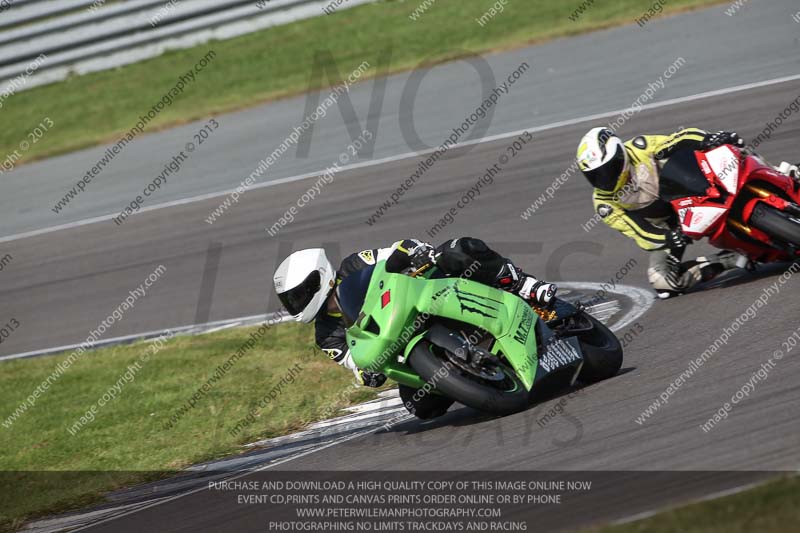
481	346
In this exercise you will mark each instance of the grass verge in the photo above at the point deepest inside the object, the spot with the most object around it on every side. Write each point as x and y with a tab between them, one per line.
45	468
770	508
276	62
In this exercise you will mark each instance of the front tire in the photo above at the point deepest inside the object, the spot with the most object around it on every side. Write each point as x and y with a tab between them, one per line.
776	223
423	406
602	352
448	379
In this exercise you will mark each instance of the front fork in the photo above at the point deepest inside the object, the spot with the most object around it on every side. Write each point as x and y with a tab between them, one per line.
769	198
762	196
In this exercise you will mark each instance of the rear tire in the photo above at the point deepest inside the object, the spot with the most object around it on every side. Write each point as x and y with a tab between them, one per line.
602	353
447	379
776	223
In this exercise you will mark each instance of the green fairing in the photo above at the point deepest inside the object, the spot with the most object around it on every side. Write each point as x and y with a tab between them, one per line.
411	300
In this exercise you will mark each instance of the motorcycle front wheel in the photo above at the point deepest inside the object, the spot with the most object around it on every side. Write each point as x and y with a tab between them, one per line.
499	398
776	224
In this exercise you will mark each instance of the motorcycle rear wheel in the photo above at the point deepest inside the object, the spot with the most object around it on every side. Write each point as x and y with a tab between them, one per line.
449	380
602	353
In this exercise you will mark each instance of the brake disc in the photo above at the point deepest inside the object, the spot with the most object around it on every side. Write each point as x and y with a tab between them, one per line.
482	372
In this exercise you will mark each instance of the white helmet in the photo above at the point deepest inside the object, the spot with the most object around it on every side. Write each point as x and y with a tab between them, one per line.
603	159
303	282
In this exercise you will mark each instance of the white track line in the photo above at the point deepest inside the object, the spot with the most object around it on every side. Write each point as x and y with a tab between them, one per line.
641	299
409	155
209	327
233	478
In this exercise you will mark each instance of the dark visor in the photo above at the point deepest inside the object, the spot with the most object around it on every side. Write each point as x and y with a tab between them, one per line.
296	299
606	177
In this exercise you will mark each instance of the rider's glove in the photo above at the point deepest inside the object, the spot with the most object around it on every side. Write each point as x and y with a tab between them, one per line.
371	379
677	240
539	292
510	277
422	255
715	140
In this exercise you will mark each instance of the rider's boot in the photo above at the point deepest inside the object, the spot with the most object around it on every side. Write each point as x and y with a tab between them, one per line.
670	277
423	404
705	269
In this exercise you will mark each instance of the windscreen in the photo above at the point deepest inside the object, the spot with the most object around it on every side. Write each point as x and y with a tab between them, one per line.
351	293
682	177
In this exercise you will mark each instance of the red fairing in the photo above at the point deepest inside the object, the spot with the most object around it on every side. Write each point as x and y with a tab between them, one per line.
728	173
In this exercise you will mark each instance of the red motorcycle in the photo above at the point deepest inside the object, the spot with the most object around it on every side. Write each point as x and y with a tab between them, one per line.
736	200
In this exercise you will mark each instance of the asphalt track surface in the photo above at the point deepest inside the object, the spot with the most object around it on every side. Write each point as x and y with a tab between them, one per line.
761	433
62	284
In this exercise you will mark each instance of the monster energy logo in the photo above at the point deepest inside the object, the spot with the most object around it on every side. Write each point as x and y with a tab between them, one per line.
475	303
